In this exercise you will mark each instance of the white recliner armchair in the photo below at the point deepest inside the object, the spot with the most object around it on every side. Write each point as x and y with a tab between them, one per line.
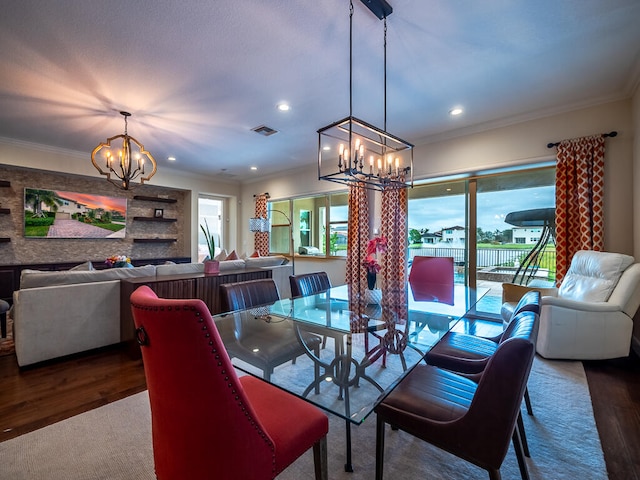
590	317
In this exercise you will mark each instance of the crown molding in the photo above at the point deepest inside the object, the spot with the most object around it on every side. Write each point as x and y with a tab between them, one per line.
633	83
13	142
522	118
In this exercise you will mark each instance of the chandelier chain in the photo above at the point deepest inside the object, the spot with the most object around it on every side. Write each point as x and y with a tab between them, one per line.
385	73
353	139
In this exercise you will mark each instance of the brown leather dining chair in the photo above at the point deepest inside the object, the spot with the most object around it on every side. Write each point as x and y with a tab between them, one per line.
465	353
206	422
306	284
254	339
474	421
251	293
469	354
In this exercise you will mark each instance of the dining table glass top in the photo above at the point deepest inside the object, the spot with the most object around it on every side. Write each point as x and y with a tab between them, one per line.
369	343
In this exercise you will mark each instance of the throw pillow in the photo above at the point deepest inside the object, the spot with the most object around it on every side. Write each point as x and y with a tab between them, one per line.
271	261
255	254
221	256
232	256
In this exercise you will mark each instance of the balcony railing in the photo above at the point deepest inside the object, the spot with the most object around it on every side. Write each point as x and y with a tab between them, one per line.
489	259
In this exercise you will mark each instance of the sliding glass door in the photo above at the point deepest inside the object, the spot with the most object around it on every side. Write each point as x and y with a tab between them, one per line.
442	217
438	224
515	231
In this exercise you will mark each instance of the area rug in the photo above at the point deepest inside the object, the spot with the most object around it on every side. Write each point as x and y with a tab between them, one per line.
114	442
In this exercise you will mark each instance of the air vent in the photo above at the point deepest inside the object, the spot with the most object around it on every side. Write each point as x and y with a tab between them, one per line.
264	130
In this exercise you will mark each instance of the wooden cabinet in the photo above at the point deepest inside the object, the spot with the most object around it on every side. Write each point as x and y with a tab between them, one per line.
206	287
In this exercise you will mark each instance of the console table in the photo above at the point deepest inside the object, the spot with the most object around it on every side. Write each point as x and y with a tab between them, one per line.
205	286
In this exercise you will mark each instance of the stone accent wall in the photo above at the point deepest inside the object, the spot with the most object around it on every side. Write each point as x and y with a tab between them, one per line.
48	250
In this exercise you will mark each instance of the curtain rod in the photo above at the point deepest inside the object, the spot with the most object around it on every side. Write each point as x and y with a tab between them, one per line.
605	135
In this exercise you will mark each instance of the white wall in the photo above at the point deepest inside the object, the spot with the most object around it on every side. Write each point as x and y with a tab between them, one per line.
517	144
526	142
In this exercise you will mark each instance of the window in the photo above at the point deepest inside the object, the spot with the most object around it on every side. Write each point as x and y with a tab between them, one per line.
310	224
338	224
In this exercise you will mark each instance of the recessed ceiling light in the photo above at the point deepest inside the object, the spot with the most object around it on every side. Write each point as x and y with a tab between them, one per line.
326	148
171	159
254	168
283	107
456	111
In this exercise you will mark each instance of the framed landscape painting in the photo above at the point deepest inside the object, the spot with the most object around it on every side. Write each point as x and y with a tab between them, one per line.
62	214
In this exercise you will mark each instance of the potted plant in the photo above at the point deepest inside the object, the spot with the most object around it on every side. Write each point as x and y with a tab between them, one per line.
210	265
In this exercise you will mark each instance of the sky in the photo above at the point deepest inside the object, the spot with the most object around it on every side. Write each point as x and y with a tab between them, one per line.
444	212
118	204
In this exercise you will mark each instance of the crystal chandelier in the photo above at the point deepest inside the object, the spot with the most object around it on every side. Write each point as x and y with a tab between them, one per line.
367	156
126	161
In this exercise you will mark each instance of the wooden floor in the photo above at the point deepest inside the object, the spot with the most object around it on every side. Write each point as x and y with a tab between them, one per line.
615	394
34	397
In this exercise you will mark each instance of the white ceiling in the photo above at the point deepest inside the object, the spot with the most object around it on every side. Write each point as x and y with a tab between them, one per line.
199	75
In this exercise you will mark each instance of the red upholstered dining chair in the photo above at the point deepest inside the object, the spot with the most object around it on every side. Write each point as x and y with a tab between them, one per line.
431	279
474	421
206	421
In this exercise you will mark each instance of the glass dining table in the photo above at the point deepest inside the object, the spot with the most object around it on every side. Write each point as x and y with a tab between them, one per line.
370	342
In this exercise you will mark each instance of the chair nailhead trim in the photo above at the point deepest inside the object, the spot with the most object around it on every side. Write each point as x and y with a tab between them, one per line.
223	371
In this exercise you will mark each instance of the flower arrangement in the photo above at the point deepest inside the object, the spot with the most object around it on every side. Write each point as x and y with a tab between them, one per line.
374	246
117	261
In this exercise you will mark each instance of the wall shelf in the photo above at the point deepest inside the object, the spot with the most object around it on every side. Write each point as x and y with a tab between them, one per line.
155	219
154	240
154	199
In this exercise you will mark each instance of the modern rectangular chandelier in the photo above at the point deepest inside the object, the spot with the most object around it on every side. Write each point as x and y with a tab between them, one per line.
354	152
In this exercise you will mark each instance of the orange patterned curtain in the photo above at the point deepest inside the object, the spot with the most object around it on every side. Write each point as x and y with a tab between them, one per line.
394	262
357	238
579	199
261	239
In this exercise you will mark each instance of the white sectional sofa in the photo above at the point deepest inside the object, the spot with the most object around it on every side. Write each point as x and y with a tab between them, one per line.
58	313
